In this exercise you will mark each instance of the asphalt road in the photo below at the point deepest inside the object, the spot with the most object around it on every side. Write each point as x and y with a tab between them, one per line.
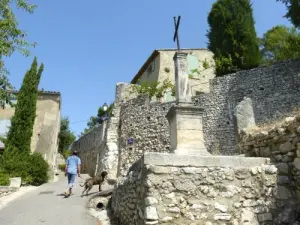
46	206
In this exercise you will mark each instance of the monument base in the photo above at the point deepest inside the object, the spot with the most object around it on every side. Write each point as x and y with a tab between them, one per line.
186	132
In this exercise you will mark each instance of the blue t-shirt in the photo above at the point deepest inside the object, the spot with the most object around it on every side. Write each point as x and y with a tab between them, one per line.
73	161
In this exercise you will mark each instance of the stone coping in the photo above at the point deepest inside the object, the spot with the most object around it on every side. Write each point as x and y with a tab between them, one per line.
167	159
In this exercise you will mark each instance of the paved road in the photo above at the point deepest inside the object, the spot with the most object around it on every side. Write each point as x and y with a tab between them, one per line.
47	206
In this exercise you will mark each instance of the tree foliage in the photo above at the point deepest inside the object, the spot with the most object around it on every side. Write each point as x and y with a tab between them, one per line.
12	39
17	159
151	89
293	11
65	136
280	43
20	132
232	36
98	119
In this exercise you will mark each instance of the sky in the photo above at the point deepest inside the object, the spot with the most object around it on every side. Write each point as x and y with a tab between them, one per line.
89	46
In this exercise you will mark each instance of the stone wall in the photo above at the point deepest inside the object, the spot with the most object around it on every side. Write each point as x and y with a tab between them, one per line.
269	92
89	146
109	156
143	128
280	142
170	189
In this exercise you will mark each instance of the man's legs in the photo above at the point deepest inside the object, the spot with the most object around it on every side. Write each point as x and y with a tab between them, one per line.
71	182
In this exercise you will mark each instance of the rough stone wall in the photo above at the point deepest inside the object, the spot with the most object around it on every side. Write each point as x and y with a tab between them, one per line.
143	128
280	142
89	146
274	92
109	157
200	195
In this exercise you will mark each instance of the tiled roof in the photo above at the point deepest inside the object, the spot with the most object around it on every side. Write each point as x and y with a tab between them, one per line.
40	92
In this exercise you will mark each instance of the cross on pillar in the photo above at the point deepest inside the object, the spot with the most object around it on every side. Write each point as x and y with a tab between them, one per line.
176	36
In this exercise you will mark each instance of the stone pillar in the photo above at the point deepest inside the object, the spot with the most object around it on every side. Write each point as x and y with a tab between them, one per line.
183	92
186	130
185	119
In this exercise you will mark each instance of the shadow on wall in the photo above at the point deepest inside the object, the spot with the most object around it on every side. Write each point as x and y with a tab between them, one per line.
273	92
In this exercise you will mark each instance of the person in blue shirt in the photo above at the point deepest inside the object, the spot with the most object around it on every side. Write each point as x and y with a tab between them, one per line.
72	169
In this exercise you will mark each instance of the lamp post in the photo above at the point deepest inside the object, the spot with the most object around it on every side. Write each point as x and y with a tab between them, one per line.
105	108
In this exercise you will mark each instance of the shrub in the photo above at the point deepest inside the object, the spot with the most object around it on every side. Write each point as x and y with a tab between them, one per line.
38	169
4	178
32	168
66	153
62	167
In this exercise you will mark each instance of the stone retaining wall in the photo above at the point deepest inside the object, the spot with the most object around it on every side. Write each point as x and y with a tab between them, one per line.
178	190
143	128
259	96
88	147
280	142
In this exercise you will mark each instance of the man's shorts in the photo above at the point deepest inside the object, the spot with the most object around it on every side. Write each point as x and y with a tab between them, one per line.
71	179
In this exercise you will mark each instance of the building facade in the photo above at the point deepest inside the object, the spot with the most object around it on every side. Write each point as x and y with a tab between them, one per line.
160	66
46	126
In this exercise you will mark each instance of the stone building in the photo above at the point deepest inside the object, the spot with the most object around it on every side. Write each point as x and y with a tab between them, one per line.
46	127
160	66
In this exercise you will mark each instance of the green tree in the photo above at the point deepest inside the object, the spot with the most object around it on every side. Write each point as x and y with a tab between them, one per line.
96	120
293	14
280	43
20	132
232	36
65	136
12	39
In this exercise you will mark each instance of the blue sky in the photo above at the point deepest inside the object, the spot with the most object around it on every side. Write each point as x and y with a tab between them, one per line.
89	46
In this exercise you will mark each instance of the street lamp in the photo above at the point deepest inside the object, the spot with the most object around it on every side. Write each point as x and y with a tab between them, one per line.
105	108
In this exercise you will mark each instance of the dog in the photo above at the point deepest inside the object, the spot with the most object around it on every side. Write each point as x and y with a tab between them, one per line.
89	183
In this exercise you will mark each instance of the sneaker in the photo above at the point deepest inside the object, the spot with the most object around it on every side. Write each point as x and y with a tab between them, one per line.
67	193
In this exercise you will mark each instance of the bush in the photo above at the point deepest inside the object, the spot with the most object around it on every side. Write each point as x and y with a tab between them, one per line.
62	167
66	153
38	169
4	178
32	168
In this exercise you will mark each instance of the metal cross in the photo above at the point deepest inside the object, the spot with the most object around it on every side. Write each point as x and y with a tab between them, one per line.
176	36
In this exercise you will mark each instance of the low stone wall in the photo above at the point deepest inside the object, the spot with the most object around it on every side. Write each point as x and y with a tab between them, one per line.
171	189
280	142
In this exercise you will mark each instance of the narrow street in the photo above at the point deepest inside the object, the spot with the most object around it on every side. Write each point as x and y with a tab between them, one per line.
47	206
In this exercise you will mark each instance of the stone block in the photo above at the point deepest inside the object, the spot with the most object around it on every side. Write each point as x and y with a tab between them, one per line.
150	213
15	182
149	201
264	217
283	168
286	147
297	163
270	169
166	159
222	208
222	216
248	216
283	193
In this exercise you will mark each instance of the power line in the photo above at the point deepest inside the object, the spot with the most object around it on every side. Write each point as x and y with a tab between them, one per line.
80	121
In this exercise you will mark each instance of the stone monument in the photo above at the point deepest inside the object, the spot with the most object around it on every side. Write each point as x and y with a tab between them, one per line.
184	118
